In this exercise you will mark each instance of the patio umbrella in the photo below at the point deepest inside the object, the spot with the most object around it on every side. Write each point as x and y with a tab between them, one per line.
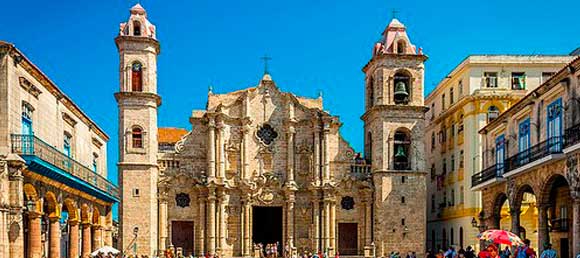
501	237
105	250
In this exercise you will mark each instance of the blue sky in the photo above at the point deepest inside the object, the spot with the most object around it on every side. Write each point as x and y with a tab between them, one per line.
316	45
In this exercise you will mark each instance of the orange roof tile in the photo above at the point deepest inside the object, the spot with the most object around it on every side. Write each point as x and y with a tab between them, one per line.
170	134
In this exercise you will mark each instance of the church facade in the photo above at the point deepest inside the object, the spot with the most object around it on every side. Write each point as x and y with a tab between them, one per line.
264	166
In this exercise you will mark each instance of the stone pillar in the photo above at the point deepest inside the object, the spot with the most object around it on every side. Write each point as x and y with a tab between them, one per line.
244	151
290	220
16	199
97	237
86	247
316	154
73	249
34	235
543	233
290	150
222	152
247	248
211	149
162	223
332	228
325	155
515	215
576	224
223	225
54	237
326	226
211	222
368	223
316	218
201	225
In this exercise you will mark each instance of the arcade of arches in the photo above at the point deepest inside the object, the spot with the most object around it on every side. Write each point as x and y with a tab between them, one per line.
542	204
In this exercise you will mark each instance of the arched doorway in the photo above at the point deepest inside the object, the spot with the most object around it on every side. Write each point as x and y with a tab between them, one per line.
525	202
501	216
559	214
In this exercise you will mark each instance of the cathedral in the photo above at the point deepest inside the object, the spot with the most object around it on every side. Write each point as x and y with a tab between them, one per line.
260	165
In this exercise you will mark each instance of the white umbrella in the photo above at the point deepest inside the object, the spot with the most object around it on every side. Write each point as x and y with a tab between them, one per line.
105	250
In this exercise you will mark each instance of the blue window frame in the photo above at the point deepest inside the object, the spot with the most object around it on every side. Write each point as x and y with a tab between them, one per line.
26	120
524	140
499	154
554	127
66	144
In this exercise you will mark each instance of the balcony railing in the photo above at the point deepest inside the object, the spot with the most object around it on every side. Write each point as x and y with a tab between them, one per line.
495	171
559	225
572	135
360	171
30	145
551	146
402	165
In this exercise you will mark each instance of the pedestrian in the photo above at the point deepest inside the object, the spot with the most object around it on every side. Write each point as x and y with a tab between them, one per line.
548	252
525	251
506	253
469	252
492	250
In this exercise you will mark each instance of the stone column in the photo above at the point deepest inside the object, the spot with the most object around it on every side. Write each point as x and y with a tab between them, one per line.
247	248
211	148
515	215
211	222
316	154
34	235
162	223
97	237
16	199
325	155
224	199
86	248
290	150
244	152
290	220
543	233
332	228
201	225
576	224
222	152
326	225
54	237
316	222
73	249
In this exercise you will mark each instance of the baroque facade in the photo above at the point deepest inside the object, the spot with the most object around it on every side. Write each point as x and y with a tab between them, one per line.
532	150
55	199
477	90
263	166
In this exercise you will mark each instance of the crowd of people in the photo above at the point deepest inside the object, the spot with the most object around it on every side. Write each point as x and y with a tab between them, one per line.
493	251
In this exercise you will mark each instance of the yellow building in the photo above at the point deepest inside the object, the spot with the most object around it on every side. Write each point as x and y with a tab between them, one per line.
532	150
475	91
55	199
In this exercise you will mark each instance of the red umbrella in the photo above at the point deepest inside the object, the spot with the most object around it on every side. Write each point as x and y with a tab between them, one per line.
501	237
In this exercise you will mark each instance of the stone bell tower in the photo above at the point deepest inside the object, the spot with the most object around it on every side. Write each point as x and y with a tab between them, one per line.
138	101
393	123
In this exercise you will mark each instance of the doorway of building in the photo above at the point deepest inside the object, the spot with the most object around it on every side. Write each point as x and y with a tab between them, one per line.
347	238
267	226
564	248
182	235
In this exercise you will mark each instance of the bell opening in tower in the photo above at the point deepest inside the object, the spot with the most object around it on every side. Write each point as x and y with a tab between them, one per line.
267	227
402	88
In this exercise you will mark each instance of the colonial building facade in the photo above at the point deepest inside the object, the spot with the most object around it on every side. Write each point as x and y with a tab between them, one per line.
473	93
265	166
532	150
55	199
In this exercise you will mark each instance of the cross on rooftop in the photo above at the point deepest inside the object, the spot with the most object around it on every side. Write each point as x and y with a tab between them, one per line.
266	58
395	12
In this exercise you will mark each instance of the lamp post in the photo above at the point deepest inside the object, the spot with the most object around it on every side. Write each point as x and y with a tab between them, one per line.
135	234
481	226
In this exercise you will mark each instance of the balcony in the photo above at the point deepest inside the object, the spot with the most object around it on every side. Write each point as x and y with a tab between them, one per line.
487	177
572	138
44	159
540	153
559	225
360	171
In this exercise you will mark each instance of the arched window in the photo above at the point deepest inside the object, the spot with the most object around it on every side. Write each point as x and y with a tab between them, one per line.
402	144
461	237
136	28
402	89
137	77
401	47
451	237
492	113
137	137
369	148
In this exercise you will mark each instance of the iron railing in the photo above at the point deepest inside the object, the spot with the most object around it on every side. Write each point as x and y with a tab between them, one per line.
495	171
33	146
572	135
550	146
